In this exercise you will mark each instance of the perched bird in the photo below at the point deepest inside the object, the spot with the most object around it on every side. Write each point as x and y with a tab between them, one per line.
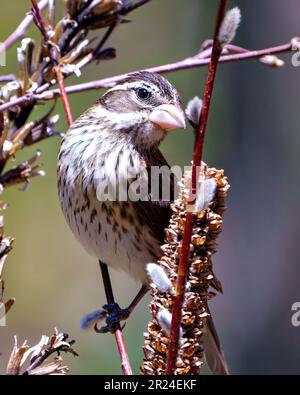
117	137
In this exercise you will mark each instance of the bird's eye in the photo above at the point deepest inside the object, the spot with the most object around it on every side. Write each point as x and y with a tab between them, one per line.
143	93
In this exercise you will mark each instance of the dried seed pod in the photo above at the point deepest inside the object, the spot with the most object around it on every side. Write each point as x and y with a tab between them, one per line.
25	54
149	352
43	129
95	14
200	279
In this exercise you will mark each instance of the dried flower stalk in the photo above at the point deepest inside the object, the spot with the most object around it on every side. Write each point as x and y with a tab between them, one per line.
36	356
200	281
65	49
217	48
68	40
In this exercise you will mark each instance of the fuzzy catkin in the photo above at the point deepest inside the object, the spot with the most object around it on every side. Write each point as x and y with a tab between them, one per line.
201	281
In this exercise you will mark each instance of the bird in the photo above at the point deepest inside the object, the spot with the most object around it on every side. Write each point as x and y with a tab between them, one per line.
111	149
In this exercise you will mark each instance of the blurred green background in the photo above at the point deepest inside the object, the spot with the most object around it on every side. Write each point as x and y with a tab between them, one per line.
253	133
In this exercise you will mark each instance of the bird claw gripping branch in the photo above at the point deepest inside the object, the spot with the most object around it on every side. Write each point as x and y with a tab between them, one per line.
114	314
111	313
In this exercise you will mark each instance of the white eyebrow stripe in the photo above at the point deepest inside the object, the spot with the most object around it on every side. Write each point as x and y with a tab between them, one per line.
133	85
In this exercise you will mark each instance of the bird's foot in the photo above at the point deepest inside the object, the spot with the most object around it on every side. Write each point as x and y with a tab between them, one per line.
113	315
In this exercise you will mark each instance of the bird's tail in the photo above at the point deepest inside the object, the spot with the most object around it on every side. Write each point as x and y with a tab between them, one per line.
213	351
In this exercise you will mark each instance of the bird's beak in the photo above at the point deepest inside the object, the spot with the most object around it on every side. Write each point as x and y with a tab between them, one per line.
168	117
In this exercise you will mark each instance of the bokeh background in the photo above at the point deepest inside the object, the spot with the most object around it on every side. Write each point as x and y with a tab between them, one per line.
253	133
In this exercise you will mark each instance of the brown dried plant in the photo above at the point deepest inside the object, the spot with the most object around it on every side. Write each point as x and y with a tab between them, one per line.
200	279
66	47
25	360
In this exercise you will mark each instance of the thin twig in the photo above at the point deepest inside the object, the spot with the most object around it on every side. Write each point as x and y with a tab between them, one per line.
95	53
120	341
41	24
133	7
64	96
21	30
60	79
117	327
189	63
7	78
197	157
103	40
21	174
198	60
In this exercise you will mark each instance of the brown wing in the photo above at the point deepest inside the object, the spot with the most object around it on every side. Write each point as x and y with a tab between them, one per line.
157	213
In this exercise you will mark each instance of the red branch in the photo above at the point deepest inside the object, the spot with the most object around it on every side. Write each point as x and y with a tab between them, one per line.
197	157
43	93
39	21
54	55
64	96
125	363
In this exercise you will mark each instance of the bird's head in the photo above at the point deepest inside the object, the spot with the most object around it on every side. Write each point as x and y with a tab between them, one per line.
143	106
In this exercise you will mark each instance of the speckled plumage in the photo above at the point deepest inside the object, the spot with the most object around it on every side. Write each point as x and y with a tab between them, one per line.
99	147
121	131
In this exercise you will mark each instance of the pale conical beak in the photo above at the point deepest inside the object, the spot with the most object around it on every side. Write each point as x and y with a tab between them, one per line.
168	117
